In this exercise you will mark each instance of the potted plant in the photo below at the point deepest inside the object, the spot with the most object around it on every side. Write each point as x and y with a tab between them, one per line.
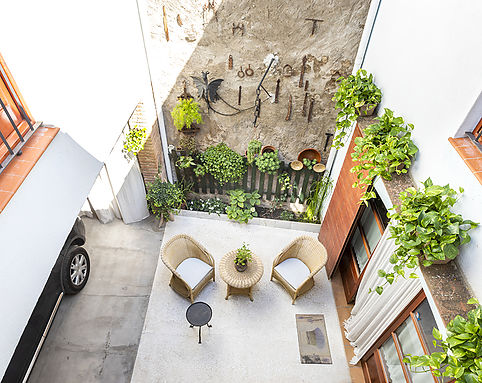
243	256
356	95
223	163
165	199
268	162
385	148
254	148
135	139
309	154
425	230
267	149
185	114
309	163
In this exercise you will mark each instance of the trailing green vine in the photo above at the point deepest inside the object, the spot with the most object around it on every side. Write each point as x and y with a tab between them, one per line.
425	230
461	357
354	92
385	148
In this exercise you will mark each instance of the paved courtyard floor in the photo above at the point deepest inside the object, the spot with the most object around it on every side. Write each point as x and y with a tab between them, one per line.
249	341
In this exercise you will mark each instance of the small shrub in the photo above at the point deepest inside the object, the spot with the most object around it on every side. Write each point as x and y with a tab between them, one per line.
242	205
243	255
223	163
165	198
185	113
268	162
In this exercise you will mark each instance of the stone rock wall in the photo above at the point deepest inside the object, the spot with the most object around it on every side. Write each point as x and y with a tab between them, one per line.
271	26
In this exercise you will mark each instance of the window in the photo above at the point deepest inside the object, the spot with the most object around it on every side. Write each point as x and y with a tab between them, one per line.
410	334
476	134
368	230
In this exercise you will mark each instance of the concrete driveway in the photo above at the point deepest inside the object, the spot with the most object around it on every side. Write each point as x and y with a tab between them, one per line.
95	334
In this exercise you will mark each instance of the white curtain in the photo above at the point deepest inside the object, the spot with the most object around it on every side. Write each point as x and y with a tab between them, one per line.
373	313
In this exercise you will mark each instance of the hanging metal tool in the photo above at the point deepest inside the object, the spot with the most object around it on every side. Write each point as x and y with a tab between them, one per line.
290	105
314	21
287	70
239	26
310	112
249	72
302	72
164	20
239	95
257	103
307	83
328	136
276	94
241	73
230	62
305	101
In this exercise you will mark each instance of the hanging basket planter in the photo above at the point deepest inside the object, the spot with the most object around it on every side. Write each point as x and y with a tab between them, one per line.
268	149
310	154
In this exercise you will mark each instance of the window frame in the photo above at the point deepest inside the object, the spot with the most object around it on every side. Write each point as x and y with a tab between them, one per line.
476	135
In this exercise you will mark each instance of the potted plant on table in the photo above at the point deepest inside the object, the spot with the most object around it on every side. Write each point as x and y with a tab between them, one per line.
185	114
243	256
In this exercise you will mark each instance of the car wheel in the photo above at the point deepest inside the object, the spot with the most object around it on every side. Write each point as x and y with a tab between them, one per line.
75	270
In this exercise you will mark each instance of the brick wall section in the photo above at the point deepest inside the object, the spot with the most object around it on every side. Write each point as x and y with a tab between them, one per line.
151	157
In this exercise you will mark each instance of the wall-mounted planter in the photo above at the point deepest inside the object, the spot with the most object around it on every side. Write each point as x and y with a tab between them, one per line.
368	109
190	132
268	149
310	154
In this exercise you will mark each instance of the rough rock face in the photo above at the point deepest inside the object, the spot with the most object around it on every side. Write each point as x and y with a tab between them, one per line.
206	39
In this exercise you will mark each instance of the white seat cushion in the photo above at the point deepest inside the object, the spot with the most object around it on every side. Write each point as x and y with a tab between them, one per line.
293	271
193	270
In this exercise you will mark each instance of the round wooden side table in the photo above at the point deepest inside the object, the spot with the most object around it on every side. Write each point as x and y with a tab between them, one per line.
240	282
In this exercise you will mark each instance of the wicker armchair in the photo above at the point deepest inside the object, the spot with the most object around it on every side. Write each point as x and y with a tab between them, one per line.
297	264
191	265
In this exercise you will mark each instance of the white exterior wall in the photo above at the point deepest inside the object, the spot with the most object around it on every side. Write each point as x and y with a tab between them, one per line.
33	228
80	66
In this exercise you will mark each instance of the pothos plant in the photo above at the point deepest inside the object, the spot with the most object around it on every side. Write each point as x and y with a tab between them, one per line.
165	198
461	357
223	163
185	162
268	162
354	92
425	229
135	139
385	148
185	113
242	205
254	147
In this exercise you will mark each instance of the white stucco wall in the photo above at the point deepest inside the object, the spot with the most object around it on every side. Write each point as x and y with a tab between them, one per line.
425	56
79	65
33	229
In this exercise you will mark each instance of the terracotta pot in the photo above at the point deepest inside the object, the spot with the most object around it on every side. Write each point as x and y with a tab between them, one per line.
296	165
268	149
240	268
368	109
310	154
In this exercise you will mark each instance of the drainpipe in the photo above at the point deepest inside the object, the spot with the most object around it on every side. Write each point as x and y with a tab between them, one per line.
359	61
159	115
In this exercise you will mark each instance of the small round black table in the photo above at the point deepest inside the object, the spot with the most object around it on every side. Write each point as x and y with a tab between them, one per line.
199	314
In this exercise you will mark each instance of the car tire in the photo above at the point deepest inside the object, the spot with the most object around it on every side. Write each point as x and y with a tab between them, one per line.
75	270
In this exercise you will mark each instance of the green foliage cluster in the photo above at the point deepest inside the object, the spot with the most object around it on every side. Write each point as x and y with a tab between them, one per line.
309	163
243	255
354	92
318	192
134	140
268	162
425	229
285	184
165	198
254	147
210	205
286	215
188	143
185	162
185	113
223	163
200	170
385	148
461	357
242	205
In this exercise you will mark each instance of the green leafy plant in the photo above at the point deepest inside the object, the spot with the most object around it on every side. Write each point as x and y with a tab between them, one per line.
210	205
185	162
242	205
354	92
165	198
461	357
185	113
385	148
254	147
285	183
318	192
426	230
268	162
286	215
243	255
200	170
134	140
223	163
188	143
309	163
